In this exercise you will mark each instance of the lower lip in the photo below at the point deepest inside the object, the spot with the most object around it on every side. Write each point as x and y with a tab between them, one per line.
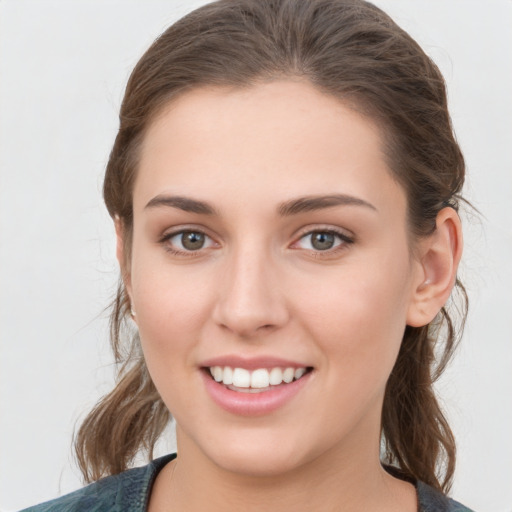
253	404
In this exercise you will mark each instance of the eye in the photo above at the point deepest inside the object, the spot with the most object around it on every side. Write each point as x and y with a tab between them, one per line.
187	241
322	240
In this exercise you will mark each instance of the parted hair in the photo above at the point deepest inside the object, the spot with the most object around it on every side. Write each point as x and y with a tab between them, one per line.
353	51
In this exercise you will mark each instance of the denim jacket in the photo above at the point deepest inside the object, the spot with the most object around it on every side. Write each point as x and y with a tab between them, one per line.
129	492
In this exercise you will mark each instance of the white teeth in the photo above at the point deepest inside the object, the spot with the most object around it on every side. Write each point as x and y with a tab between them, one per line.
276	376
241	378
299	372
288	375
228	375
217	373
257	379
260	378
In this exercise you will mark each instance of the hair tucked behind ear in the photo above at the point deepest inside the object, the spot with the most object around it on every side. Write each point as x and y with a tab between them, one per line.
353	51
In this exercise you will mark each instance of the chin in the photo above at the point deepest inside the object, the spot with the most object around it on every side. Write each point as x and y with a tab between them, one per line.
260	454
258	462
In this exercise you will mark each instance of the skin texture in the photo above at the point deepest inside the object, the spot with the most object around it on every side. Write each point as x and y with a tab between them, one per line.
259	288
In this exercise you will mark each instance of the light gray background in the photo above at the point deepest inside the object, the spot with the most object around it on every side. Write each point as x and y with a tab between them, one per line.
63	65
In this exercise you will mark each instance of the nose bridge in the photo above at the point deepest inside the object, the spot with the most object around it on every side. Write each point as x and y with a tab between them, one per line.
250	298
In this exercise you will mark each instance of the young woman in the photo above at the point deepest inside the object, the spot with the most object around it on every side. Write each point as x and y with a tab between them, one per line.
284	185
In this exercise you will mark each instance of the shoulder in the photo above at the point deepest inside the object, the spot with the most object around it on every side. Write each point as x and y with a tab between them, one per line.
431	500
118	493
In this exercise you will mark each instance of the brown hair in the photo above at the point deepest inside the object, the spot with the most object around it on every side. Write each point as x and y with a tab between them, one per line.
355	52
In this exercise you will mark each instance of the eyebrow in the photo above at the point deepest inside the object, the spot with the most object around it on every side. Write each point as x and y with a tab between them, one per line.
286	209
186	204
311	203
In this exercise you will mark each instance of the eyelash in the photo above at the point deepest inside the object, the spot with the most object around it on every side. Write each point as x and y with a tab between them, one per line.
344	239
164	240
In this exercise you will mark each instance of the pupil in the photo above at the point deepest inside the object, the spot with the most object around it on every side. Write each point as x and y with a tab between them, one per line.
322	241
192	240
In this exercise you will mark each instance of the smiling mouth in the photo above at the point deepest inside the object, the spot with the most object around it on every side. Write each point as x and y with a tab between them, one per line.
255	381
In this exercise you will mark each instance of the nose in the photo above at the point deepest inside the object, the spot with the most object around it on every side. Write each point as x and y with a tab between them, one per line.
251	299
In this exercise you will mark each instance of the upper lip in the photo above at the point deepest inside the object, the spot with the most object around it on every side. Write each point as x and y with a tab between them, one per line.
252	363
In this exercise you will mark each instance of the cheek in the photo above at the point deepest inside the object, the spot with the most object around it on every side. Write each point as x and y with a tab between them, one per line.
171	307
169	318
358	319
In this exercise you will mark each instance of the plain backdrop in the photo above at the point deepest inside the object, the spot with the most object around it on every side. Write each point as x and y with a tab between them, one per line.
63	66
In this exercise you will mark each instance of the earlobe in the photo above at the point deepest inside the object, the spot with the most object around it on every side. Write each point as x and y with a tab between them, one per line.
439	260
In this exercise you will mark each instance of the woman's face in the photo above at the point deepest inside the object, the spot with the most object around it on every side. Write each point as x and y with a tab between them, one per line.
269	235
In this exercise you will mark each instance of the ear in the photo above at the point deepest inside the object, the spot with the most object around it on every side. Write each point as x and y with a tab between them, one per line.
122	257
439	259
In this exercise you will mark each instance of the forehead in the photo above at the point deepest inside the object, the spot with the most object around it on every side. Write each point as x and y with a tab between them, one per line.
279	139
